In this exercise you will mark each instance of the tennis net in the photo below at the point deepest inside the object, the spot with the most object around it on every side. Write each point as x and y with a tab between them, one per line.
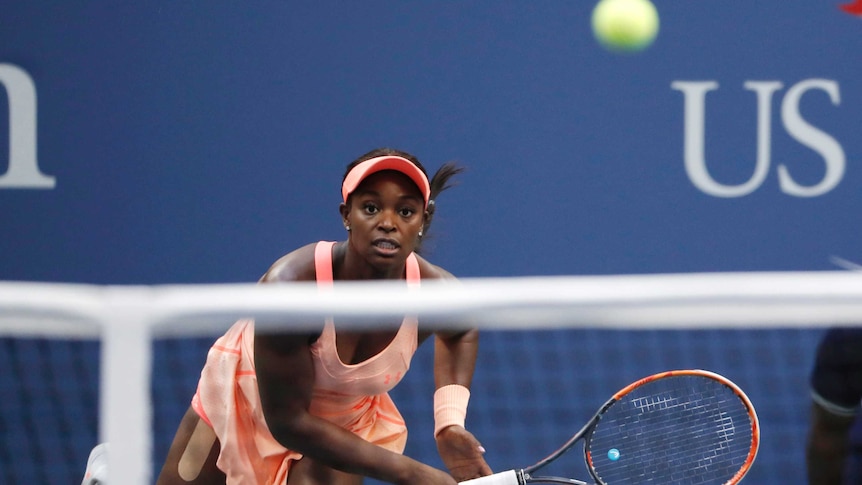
84	364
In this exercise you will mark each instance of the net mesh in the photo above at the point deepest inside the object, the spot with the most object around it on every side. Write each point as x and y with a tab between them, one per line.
534	386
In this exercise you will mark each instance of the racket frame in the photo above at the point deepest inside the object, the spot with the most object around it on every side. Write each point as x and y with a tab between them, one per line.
525	475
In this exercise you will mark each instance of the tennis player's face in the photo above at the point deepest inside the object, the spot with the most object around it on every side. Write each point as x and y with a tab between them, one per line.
385	215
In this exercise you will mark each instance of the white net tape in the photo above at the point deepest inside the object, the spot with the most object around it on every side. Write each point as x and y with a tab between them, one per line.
127	318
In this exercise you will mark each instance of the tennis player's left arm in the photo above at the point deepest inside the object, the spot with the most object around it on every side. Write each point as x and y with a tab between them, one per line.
455	349
454	361
455	353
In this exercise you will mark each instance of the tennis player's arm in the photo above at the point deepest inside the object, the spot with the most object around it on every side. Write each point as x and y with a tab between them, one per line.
455	350
455	353
827	446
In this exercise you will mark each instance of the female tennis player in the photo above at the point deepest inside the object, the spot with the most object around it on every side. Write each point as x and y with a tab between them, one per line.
300	408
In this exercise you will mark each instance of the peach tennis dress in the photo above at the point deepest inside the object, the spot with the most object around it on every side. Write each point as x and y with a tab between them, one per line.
354	397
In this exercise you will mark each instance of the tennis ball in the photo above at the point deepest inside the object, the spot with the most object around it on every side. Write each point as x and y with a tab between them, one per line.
625	25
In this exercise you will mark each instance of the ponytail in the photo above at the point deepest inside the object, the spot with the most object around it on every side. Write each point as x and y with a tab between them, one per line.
442	180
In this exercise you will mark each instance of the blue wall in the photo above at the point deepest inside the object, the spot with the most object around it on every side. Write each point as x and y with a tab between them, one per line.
195	142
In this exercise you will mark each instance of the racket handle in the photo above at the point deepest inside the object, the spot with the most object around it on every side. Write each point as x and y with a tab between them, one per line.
508	477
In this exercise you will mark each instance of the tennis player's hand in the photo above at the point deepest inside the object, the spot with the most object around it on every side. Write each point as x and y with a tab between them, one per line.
424	474
462	453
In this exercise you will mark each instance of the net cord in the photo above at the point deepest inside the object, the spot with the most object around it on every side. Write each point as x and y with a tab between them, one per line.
127	318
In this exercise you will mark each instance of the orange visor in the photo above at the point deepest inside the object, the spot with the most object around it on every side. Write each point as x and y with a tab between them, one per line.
389	162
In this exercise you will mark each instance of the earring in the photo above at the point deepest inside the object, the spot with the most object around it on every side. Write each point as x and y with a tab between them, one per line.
347	226
420	233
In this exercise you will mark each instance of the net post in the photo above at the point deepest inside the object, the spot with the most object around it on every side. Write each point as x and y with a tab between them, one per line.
125	405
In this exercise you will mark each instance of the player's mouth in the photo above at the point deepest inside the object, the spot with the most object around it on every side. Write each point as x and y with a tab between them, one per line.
386	246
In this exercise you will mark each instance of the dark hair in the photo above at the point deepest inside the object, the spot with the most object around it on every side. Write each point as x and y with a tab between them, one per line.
441	180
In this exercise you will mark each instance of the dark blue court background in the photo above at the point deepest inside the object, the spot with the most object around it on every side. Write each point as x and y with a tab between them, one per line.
196	142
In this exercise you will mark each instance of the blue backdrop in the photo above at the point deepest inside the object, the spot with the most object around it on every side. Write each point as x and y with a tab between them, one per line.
196	142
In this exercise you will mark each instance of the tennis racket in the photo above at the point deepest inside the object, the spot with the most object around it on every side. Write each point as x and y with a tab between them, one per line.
675	427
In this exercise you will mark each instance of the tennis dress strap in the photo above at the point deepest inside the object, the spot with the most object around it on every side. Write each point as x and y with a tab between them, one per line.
323	263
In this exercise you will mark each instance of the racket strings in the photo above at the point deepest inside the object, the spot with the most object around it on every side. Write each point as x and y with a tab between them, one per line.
680	429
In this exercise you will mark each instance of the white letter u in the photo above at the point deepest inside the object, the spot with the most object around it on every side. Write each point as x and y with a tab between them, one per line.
695	121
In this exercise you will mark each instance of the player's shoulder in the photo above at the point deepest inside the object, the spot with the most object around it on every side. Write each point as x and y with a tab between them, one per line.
431	271
297	265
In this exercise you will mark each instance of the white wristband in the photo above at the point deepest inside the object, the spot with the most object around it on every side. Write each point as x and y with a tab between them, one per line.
450	406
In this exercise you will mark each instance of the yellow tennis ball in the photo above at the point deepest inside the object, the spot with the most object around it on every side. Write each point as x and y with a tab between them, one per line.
625	25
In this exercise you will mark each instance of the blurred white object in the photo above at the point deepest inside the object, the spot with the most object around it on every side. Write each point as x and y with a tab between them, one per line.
845	264
97	466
